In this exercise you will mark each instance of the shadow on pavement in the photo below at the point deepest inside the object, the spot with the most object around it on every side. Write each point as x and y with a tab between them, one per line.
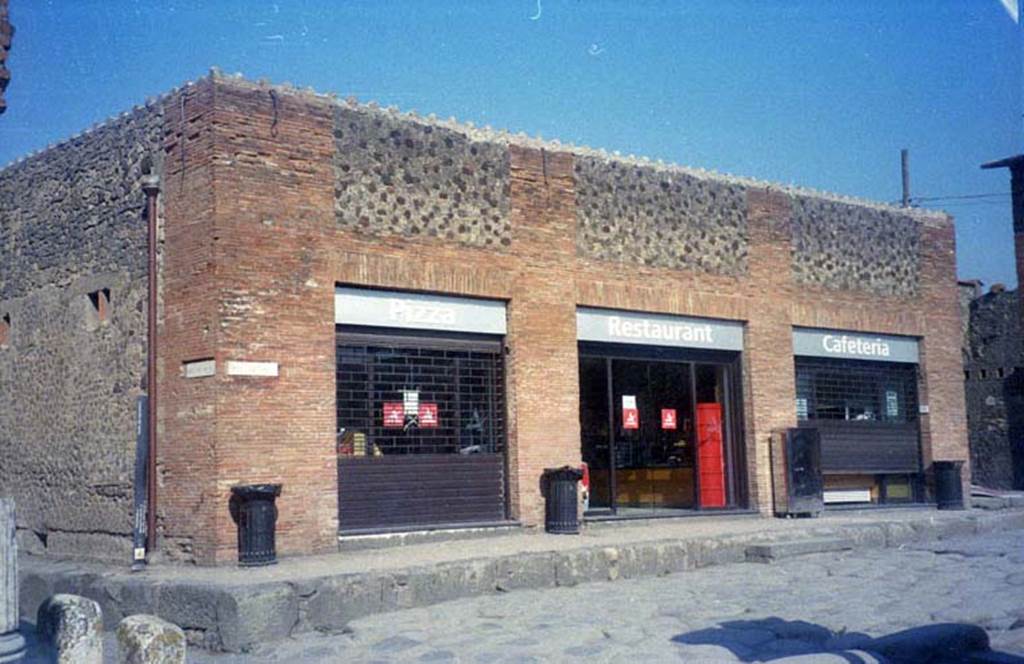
774	639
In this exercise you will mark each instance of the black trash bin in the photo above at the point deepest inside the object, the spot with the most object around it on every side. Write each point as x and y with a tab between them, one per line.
560	515
256	514
949	491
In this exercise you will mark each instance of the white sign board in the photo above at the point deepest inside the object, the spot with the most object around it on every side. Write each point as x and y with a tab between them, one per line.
631	327
809	342
243	368
200	368
418	311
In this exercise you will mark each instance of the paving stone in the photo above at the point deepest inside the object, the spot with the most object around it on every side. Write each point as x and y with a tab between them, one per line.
395	644
709	653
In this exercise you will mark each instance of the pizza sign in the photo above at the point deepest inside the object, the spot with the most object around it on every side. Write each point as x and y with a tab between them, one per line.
668	418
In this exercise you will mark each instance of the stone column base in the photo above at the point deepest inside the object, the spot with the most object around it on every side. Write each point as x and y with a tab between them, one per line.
12	647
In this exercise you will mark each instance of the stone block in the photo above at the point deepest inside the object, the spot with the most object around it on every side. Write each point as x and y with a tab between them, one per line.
765	553
73	626
253	614
143	639
716	552
585	565
531	570
442	583
337	600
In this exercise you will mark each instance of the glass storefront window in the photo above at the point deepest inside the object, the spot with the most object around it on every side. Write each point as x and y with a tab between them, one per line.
655	433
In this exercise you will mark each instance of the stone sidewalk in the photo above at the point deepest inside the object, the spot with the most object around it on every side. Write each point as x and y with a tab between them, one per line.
232	609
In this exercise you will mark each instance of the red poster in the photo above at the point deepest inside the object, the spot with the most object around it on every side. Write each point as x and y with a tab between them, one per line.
668	418
630	418
394	415
428	415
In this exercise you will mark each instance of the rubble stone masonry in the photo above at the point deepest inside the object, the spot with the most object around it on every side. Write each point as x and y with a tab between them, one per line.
72	225
273	196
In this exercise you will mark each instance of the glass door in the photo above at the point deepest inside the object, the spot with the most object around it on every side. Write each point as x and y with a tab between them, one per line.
658	434
595	428
653	435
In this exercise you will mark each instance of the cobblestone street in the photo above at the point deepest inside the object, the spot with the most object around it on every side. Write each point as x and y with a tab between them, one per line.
740	612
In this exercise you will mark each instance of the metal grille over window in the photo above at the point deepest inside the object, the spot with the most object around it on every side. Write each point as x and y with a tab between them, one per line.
421	430
396	401
867	413
856	390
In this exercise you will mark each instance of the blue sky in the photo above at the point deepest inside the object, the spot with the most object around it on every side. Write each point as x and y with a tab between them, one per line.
817	93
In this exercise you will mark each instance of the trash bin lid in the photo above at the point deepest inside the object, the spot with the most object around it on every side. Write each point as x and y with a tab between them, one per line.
256	490
563	473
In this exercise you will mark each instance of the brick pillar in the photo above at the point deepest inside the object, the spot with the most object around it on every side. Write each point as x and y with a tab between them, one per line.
944	427
543	365
274	186
187	514
769	374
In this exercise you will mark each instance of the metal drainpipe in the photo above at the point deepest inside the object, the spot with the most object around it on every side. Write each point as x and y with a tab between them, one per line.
151	186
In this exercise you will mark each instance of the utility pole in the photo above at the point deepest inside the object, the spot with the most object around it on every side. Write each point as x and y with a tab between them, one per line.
905	170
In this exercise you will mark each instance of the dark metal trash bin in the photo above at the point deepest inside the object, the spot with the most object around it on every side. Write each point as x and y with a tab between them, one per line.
256	514
949	491
560	515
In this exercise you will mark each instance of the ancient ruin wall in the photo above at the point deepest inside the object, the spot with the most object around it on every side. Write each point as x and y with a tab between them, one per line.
72	223
633	214
401	177
853	247
995	391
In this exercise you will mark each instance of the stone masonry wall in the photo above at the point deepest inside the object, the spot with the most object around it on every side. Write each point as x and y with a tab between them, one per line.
994	387
394	176
855	247
72	223
633	214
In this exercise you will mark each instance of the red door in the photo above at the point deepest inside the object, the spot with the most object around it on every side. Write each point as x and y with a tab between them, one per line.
710	459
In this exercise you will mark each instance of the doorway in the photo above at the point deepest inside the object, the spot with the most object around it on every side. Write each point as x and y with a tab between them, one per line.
659	429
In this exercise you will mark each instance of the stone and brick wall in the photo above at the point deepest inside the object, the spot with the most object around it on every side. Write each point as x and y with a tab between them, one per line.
408	178
855	247
641	215
274	196
72	226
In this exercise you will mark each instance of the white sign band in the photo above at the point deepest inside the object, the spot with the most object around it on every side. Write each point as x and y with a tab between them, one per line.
632	327
418	311
809	342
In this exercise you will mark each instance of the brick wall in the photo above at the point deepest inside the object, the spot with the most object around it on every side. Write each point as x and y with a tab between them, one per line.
261	227
285	238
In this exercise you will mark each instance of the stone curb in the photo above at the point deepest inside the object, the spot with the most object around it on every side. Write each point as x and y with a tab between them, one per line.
766	553
235	617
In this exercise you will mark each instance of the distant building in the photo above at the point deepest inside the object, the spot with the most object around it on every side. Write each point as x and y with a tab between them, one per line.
994	385
993	350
